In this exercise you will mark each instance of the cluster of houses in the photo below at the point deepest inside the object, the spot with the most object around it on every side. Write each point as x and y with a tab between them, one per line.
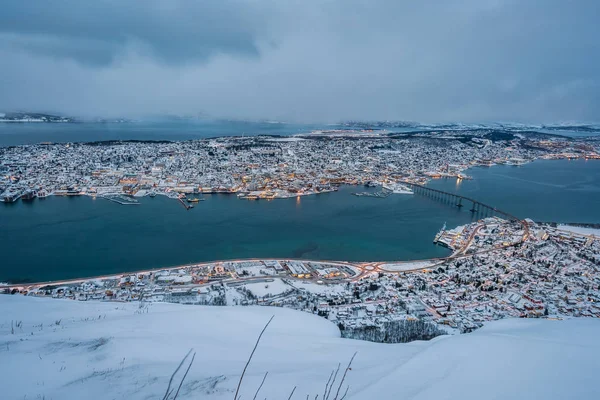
258	167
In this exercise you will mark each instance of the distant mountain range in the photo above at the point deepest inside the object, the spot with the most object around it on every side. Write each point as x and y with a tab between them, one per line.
32	117
358	124
506	126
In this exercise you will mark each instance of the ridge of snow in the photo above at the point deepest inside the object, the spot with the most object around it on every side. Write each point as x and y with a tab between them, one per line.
106	350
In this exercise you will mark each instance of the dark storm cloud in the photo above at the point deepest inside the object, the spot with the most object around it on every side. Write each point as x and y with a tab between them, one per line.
97	31
470	60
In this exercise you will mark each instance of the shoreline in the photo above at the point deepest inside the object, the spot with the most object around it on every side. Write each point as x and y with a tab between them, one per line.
364	268
170	268
263	195
352	263
435	260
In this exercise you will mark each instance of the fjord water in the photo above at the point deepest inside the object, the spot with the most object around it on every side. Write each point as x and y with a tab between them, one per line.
59	238
545	190
12	134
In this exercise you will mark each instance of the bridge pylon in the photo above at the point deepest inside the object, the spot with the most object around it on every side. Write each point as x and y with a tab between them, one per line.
474	208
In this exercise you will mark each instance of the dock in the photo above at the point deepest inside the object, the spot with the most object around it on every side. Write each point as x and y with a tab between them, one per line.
120	199
382	194
184	204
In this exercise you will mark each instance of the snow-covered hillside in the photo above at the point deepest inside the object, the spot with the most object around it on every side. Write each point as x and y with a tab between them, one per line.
62	349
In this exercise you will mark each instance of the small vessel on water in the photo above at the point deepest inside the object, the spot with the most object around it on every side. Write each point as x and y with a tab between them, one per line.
194	200
152	194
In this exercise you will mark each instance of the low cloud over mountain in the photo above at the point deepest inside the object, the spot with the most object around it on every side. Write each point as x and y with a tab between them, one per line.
470	60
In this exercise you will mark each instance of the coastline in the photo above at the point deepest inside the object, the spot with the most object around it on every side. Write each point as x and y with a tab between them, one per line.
172	267
171	192
362	297
361	268
303	249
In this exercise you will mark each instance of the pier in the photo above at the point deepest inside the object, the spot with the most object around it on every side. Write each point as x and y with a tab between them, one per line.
120	199
183	203
381	194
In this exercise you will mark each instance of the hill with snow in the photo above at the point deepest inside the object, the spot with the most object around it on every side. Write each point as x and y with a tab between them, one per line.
62	349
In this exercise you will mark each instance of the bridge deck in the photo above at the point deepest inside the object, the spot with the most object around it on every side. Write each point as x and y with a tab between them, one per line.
458	196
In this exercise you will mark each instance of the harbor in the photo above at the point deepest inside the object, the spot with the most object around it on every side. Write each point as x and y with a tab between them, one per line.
382	194
120	199
220	227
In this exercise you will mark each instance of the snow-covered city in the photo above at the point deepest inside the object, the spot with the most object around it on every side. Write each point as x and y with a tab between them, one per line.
267	167
501	271
296	200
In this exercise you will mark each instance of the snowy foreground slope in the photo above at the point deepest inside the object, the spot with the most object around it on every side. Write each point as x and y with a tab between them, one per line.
62	349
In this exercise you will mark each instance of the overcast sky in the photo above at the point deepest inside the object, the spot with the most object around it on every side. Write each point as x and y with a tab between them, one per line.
326	60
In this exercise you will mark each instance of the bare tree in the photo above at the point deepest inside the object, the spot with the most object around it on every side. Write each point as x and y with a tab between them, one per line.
184	376
291	394
250	359
326	395
344	378
333	381
326	386
169	390
261	385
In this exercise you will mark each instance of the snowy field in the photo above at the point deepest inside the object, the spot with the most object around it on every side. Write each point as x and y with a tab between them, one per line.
579	229
63	349
316	288
260	289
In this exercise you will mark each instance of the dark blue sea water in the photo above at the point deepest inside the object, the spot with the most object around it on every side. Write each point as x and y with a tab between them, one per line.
59	238
69	237
545	190
28	133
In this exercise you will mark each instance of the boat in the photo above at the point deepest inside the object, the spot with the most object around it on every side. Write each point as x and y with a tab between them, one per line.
152	194
194	200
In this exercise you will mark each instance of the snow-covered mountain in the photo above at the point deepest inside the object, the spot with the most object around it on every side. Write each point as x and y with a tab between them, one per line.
62	349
